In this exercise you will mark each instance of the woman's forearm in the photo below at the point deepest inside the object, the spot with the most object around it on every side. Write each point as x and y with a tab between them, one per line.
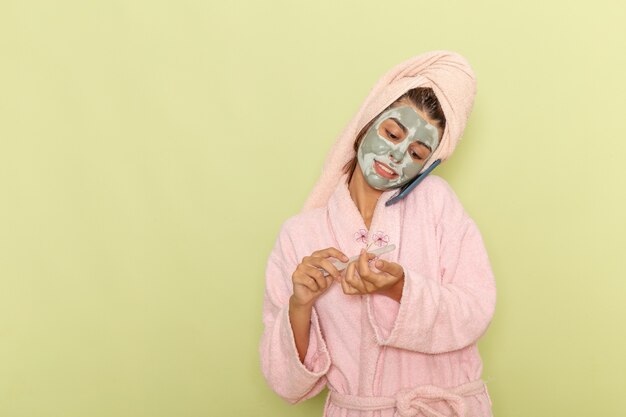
300	318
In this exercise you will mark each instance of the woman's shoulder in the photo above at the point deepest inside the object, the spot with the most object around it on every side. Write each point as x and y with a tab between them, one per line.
433	188
303	221
295	227
436	185
439	196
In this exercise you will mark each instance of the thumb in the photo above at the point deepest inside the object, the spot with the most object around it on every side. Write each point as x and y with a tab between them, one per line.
389	267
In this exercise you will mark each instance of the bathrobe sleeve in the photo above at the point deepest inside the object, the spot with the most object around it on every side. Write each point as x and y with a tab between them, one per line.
441	313
291	379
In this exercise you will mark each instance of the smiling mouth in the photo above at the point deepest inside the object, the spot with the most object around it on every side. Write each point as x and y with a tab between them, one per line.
384	171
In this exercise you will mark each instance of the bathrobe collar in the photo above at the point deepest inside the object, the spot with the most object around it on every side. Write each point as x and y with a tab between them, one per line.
348	225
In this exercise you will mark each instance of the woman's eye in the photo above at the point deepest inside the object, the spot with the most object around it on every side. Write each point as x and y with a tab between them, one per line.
391	134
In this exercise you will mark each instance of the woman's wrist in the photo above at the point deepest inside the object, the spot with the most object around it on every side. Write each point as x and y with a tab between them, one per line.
294	305
395	291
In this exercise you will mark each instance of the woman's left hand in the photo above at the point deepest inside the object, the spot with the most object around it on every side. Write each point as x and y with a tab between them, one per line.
360	279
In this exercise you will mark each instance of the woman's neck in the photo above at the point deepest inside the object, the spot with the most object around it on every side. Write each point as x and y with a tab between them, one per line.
364	196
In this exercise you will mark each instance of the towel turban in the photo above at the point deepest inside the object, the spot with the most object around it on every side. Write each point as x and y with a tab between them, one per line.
451	78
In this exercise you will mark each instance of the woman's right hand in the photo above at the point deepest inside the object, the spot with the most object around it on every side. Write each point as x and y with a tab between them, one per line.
309	281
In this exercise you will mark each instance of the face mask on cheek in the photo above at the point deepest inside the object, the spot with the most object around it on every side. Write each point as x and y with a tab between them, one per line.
388	162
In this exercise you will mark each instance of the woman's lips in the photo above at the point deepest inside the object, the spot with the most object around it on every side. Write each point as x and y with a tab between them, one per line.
378	167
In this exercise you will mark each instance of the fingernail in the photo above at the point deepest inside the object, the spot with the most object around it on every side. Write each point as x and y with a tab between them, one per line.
379	264
345	258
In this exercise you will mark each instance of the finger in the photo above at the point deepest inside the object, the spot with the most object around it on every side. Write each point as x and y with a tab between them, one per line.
328	252
363	265
374	264
347	288
318	277
389	267
327	280
365	258
309	277
376	281
307	282
326	265
322	281
353	280
300	276
364	269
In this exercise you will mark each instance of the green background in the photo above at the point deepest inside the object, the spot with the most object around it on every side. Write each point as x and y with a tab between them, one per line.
150	150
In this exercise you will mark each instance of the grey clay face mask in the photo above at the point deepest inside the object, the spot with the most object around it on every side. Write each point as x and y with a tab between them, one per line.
398	153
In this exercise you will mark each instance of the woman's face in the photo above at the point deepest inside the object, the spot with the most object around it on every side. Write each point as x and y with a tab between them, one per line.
396	146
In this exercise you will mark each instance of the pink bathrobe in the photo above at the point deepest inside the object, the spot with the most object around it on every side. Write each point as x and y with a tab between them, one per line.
379	357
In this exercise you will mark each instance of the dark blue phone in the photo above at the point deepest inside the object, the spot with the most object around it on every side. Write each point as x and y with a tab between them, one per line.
408	187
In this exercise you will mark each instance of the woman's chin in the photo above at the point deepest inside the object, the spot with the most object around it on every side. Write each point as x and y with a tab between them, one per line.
382	183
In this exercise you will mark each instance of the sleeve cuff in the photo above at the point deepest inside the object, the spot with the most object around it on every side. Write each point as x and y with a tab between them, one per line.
386	316
382	313
317	359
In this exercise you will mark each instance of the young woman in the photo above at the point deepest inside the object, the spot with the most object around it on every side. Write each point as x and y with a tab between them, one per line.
393	334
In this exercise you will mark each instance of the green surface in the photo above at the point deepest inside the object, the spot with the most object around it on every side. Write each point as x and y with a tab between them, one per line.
150	150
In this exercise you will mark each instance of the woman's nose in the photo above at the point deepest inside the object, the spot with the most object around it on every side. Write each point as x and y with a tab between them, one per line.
396	155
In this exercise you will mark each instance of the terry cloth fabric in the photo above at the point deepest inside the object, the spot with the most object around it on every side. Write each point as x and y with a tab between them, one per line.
371	345
454	83
408	402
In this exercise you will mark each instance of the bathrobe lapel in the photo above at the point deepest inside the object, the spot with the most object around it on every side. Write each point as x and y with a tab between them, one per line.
351	234
349	228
